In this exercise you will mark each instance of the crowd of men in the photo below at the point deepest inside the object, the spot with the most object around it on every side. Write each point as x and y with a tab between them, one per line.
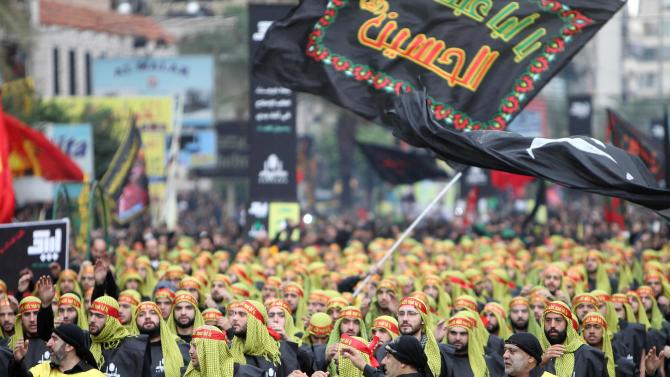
455	307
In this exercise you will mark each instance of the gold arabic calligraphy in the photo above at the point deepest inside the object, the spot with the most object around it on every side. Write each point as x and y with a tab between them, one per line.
428	52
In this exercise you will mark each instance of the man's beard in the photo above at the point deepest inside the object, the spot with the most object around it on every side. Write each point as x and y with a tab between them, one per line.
57	356
493	328
186	325
520	327
556	339
156	330
412	331
242	333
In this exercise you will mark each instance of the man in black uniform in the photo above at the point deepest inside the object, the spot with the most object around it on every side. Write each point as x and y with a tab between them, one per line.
29	349
568	355
468	360
166	353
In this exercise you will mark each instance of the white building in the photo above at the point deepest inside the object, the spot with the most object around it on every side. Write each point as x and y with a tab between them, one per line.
67	38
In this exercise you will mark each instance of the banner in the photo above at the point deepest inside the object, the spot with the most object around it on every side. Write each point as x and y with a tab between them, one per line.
33	245
125	181
232	152
76	141
189	76
154	117
580	163
623	135
281	216
272	133
580	113
481	61
401	167
198	148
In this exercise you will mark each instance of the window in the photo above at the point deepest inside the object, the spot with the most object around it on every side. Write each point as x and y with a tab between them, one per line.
88	73
73	72
56	71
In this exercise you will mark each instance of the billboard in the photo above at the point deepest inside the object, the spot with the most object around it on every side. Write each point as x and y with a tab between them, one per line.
191	77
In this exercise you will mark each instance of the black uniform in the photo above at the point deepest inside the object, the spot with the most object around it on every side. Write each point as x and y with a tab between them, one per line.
589	362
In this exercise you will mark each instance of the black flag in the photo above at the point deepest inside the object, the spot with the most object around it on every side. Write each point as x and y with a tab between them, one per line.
625	136
399	167
481	61
576	162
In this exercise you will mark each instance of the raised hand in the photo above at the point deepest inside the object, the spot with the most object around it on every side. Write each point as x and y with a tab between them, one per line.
653	361
440	330
100	271
554	351
20	349
45	290
24	282
354	356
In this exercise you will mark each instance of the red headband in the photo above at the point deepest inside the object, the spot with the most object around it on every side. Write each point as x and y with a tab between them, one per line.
249	308
69	300
185	298
205	333
416	303
385	324
102	308
360	346
165	293
30	306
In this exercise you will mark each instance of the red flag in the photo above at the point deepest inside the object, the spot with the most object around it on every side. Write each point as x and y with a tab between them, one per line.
504	180
614	211
6	189
31	153
471	207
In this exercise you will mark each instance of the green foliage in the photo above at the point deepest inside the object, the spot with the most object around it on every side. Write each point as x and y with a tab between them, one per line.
229	47
35	111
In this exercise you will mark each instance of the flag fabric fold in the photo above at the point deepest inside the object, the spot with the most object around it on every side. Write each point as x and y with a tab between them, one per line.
401	167
125	181
577	162
6	189
31	153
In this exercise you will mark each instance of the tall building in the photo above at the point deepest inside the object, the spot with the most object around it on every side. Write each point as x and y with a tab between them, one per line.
647	49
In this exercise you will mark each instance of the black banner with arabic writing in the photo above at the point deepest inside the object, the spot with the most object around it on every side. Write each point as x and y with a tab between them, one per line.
401	167
625	136
271	130
33	245
481	61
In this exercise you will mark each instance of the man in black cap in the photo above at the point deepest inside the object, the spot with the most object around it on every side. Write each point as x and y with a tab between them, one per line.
523	355
69	354
404	357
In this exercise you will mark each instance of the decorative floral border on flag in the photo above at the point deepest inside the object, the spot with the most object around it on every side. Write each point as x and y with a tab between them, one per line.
573	20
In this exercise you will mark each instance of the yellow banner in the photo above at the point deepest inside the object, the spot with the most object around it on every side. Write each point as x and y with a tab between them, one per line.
280	212
155	118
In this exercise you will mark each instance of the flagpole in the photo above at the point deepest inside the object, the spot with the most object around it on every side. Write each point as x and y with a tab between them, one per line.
409	230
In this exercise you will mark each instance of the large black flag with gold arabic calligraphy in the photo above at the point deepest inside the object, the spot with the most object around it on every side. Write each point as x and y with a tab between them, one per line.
481	61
